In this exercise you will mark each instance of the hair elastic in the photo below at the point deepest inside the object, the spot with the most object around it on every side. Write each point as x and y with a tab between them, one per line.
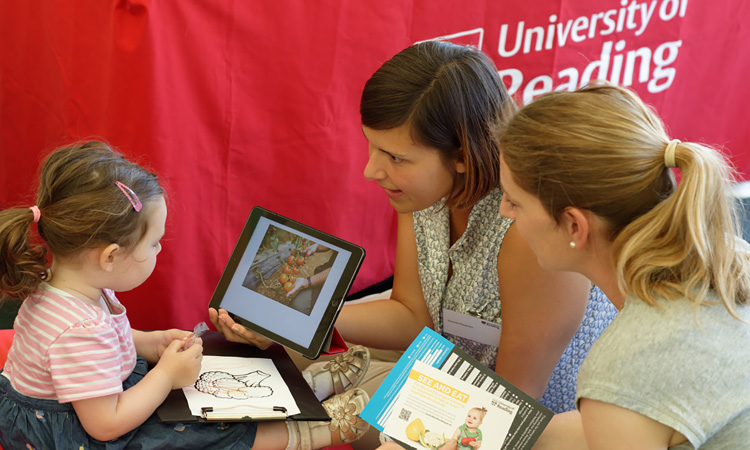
669	159
37	213
132	198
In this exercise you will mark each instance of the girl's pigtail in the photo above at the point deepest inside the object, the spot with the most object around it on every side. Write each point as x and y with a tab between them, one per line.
23	265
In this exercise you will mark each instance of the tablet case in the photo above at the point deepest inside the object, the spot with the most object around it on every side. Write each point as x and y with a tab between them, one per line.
335	344
175	407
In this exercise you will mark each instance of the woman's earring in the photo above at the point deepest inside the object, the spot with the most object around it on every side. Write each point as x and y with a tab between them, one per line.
572	244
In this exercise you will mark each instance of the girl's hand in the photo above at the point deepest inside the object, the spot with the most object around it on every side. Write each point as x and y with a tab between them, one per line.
181	366
151	344
235	332
111	416
167	336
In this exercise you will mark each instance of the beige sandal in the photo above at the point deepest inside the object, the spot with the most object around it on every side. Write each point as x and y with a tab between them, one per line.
345	425
340	374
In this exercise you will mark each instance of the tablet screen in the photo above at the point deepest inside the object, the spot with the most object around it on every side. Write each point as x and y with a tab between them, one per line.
287	281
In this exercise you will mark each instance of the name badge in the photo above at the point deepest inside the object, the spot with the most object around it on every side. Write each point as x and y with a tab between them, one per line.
471	327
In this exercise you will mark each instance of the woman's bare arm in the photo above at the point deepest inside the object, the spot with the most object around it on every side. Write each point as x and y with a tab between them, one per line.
395	322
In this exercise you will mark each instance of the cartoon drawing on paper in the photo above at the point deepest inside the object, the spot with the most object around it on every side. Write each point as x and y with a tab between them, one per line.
228	383
222	384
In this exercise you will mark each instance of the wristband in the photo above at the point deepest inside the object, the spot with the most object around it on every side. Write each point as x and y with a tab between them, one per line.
309	282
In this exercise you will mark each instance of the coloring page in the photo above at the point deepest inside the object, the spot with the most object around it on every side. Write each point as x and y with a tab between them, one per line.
237	385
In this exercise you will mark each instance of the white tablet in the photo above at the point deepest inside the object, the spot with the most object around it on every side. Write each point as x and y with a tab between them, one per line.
287	281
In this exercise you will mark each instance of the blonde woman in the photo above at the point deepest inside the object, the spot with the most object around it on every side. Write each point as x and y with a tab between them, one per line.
588	178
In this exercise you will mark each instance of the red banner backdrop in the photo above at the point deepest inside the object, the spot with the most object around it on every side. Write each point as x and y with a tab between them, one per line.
237	104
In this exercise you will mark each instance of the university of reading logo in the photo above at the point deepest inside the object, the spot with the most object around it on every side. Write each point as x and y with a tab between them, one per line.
616	61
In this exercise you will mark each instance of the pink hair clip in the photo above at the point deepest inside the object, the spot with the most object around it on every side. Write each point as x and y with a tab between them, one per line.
132	198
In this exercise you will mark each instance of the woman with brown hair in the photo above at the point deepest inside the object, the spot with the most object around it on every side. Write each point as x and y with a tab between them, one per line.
429	114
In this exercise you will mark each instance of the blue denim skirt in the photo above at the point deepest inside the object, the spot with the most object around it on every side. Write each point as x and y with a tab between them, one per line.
35	424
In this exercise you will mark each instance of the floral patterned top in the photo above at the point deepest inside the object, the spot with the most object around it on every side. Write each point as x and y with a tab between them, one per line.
474	289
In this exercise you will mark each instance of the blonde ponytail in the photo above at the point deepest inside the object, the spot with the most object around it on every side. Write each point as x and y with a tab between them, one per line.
687	245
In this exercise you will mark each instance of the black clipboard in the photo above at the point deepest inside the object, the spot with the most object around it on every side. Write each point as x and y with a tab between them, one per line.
175	407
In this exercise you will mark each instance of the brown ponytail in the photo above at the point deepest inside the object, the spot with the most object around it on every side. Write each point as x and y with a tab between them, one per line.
22	263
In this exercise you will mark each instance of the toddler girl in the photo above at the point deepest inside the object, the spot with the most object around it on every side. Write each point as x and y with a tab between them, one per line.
468	436
76	375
